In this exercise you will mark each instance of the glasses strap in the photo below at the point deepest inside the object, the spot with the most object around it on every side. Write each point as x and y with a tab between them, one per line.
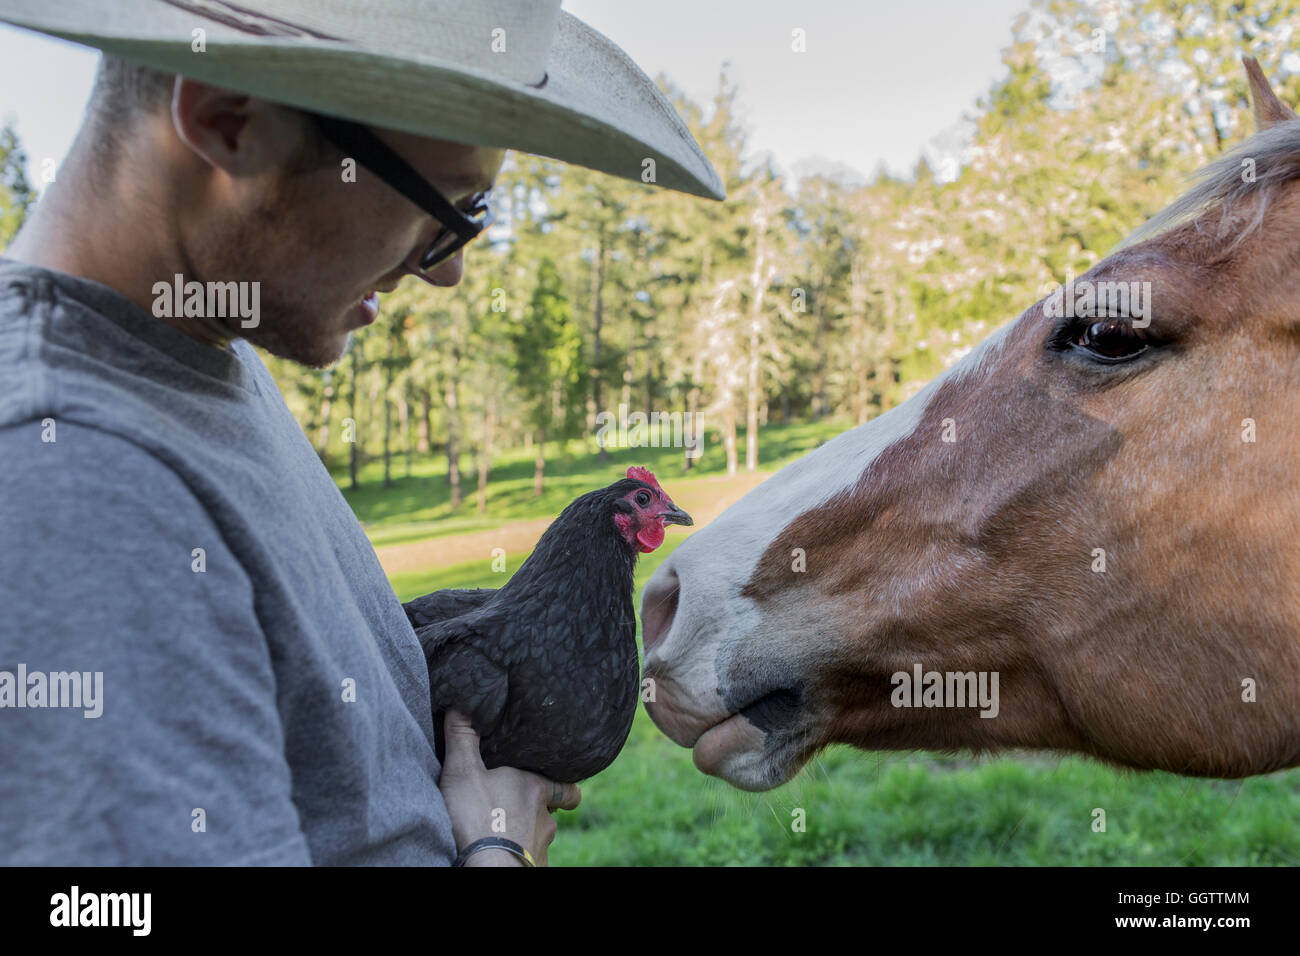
373	153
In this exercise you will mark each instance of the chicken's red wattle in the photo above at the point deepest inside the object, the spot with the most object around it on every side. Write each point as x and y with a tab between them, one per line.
651	537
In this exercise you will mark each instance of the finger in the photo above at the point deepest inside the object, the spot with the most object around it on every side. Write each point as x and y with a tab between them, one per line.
564	796
462	743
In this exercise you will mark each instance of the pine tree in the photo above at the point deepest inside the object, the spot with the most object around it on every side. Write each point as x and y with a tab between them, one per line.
549	367
16	194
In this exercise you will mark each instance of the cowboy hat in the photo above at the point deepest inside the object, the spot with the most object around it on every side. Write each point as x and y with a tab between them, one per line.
513	74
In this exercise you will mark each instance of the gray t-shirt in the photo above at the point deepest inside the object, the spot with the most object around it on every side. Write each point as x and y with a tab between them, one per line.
263	700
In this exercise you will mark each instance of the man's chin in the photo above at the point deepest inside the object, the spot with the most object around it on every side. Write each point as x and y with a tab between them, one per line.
320	353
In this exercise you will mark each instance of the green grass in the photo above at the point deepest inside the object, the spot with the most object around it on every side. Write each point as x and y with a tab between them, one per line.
419	506
652	807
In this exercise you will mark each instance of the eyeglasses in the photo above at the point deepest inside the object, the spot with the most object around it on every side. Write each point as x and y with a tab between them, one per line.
458	228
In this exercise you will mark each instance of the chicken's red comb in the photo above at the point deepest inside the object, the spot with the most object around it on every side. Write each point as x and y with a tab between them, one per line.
646	475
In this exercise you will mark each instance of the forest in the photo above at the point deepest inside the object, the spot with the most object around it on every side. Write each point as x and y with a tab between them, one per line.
595	301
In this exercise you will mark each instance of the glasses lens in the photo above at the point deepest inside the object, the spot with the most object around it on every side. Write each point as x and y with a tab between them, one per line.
446	245
448	242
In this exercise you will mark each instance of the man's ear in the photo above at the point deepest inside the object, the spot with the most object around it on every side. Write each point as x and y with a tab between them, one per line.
228	130
1269	110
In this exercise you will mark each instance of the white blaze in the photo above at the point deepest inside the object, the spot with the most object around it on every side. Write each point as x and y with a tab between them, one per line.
714	563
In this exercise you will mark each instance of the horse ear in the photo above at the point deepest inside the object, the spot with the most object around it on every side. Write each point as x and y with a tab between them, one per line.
1269	110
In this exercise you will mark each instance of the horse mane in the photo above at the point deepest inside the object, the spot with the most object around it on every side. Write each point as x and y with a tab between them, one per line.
1221	185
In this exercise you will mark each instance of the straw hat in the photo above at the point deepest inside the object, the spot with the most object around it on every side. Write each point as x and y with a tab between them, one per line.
514	74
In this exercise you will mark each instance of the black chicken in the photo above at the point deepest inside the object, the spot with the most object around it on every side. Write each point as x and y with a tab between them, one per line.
546	666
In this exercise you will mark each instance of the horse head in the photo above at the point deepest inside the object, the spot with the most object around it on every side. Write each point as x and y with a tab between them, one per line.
1095	515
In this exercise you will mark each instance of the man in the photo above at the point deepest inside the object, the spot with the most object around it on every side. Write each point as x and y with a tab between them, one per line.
205	662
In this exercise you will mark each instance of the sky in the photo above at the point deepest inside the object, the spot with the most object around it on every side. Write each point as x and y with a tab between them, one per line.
880	81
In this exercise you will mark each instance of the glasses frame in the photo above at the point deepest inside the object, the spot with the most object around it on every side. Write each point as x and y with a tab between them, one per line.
458	228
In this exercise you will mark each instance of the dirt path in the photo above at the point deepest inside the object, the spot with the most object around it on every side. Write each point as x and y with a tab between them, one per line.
702	498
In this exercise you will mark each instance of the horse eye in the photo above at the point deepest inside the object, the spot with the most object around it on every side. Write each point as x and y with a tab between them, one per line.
1112	339
643	498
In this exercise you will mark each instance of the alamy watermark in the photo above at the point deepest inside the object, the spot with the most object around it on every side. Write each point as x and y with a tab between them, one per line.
652	430
75	908
922	688
1085	298
213	300
78	690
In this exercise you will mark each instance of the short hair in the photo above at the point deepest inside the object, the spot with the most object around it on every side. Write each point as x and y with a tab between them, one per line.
124	91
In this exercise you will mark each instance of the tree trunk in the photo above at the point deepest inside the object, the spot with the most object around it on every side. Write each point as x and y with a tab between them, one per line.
539	463
693	391
691	430
485	457
857	367
885	358
388	423
761	279
819	350
404	427
629	365
452	399
371	398
729	437
323	432
425	425
592	427
598	324
751	402
356	420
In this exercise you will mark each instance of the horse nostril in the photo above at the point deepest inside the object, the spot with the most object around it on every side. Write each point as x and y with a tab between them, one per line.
658	607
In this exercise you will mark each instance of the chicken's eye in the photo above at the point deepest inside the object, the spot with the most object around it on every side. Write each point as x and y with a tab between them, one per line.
643	498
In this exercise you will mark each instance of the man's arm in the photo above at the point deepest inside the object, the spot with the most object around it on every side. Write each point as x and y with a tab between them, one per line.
181	759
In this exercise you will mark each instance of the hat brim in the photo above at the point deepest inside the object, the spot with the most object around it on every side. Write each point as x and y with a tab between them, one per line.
595	109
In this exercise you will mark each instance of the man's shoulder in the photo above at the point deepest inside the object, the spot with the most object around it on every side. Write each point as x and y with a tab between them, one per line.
74	350
73	485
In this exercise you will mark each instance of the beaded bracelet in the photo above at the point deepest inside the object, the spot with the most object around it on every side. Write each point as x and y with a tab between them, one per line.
493	843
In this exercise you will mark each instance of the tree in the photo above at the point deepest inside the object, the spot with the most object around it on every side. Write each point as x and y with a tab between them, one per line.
549	368
16	194
840	301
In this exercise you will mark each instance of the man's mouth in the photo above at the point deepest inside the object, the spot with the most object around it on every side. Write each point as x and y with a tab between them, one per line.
369	306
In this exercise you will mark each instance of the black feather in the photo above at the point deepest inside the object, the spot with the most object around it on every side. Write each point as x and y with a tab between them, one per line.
546	666
441	605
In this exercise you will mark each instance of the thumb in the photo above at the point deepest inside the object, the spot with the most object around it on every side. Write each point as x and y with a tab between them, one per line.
462	743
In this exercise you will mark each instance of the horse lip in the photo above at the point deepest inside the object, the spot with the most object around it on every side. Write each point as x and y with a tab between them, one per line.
685	721
764	707
749	757
774	710
676	712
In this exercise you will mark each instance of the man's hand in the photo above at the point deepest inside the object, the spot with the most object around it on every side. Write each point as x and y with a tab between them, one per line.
504	802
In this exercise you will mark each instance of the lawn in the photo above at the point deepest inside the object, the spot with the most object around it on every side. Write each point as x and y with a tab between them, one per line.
652	807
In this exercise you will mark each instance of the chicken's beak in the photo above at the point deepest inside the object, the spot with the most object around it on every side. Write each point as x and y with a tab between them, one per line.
676	516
